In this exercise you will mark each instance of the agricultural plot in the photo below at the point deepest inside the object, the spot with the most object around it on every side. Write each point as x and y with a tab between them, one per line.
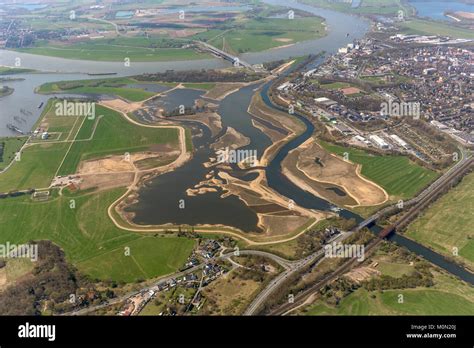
102	52
89	238
266	33
444	225
416	302
113	135
114	87
400	177
425	27
8	148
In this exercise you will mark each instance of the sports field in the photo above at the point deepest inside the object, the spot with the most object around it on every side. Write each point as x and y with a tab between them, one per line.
89	238
400	177
448	223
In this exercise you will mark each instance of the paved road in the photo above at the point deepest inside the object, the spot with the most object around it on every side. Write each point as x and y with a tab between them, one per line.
287	264
295	267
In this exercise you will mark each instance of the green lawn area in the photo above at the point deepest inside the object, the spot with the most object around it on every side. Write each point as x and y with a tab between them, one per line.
36	168
89	238
384	7
102	51
264	33
400	177
5	70
15	268
113	135
393	269
11	145
425	27
114	86
420	301
335	85
448	223
203	86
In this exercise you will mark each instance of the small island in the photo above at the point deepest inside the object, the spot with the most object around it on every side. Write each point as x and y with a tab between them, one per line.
5	90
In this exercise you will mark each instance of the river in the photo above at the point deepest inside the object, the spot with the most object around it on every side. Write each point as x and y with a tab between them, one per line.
159	200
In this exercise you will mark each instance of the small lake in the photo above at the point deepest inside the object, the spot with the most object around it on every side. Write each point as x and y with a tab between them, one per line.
174	99
436	9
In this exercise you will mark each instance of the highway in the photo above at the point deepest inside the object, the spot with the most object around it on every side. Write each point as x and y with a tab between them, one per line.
286	264
214	50
292	267
295	267
420	202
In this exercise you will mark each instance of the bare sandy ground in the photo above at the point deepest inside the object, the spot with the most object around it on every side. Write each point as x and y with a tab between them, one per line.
464	15
222	90
231	139
334	170
121	105
280	120
362	273
280	225
211	120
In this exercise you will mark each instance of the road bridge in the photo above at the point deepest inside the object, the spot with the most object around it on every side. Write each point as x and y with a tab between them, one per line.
220	53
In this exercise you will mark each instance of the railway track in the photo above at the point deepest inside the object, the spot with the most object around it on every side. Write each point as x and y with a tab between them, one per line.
424	199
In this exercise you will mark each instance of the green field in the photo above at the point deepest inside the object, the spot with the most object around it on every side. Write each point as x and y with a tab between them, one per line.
113	135
264	33
203	86
5	70
383	7
393	269
113	86
335	85
89	238
400	177
11	146
448	223
416	302
40	161
36	168
102	51
425	27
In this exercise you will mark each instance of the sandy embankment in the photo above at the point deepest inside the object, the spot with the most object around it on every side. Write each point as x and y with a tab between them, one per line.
334	170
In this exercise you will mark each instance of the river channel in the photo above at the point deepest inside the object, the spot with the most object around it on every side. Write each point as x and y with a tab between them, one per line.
159	200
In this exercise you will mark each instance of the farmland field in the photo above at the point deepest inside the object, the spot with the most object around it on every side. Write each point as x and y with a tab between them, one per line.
113	135
444	225
400	177
114	87
103	52
265	33
89	238
36	168
385	7
417	302
425	27
11	145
